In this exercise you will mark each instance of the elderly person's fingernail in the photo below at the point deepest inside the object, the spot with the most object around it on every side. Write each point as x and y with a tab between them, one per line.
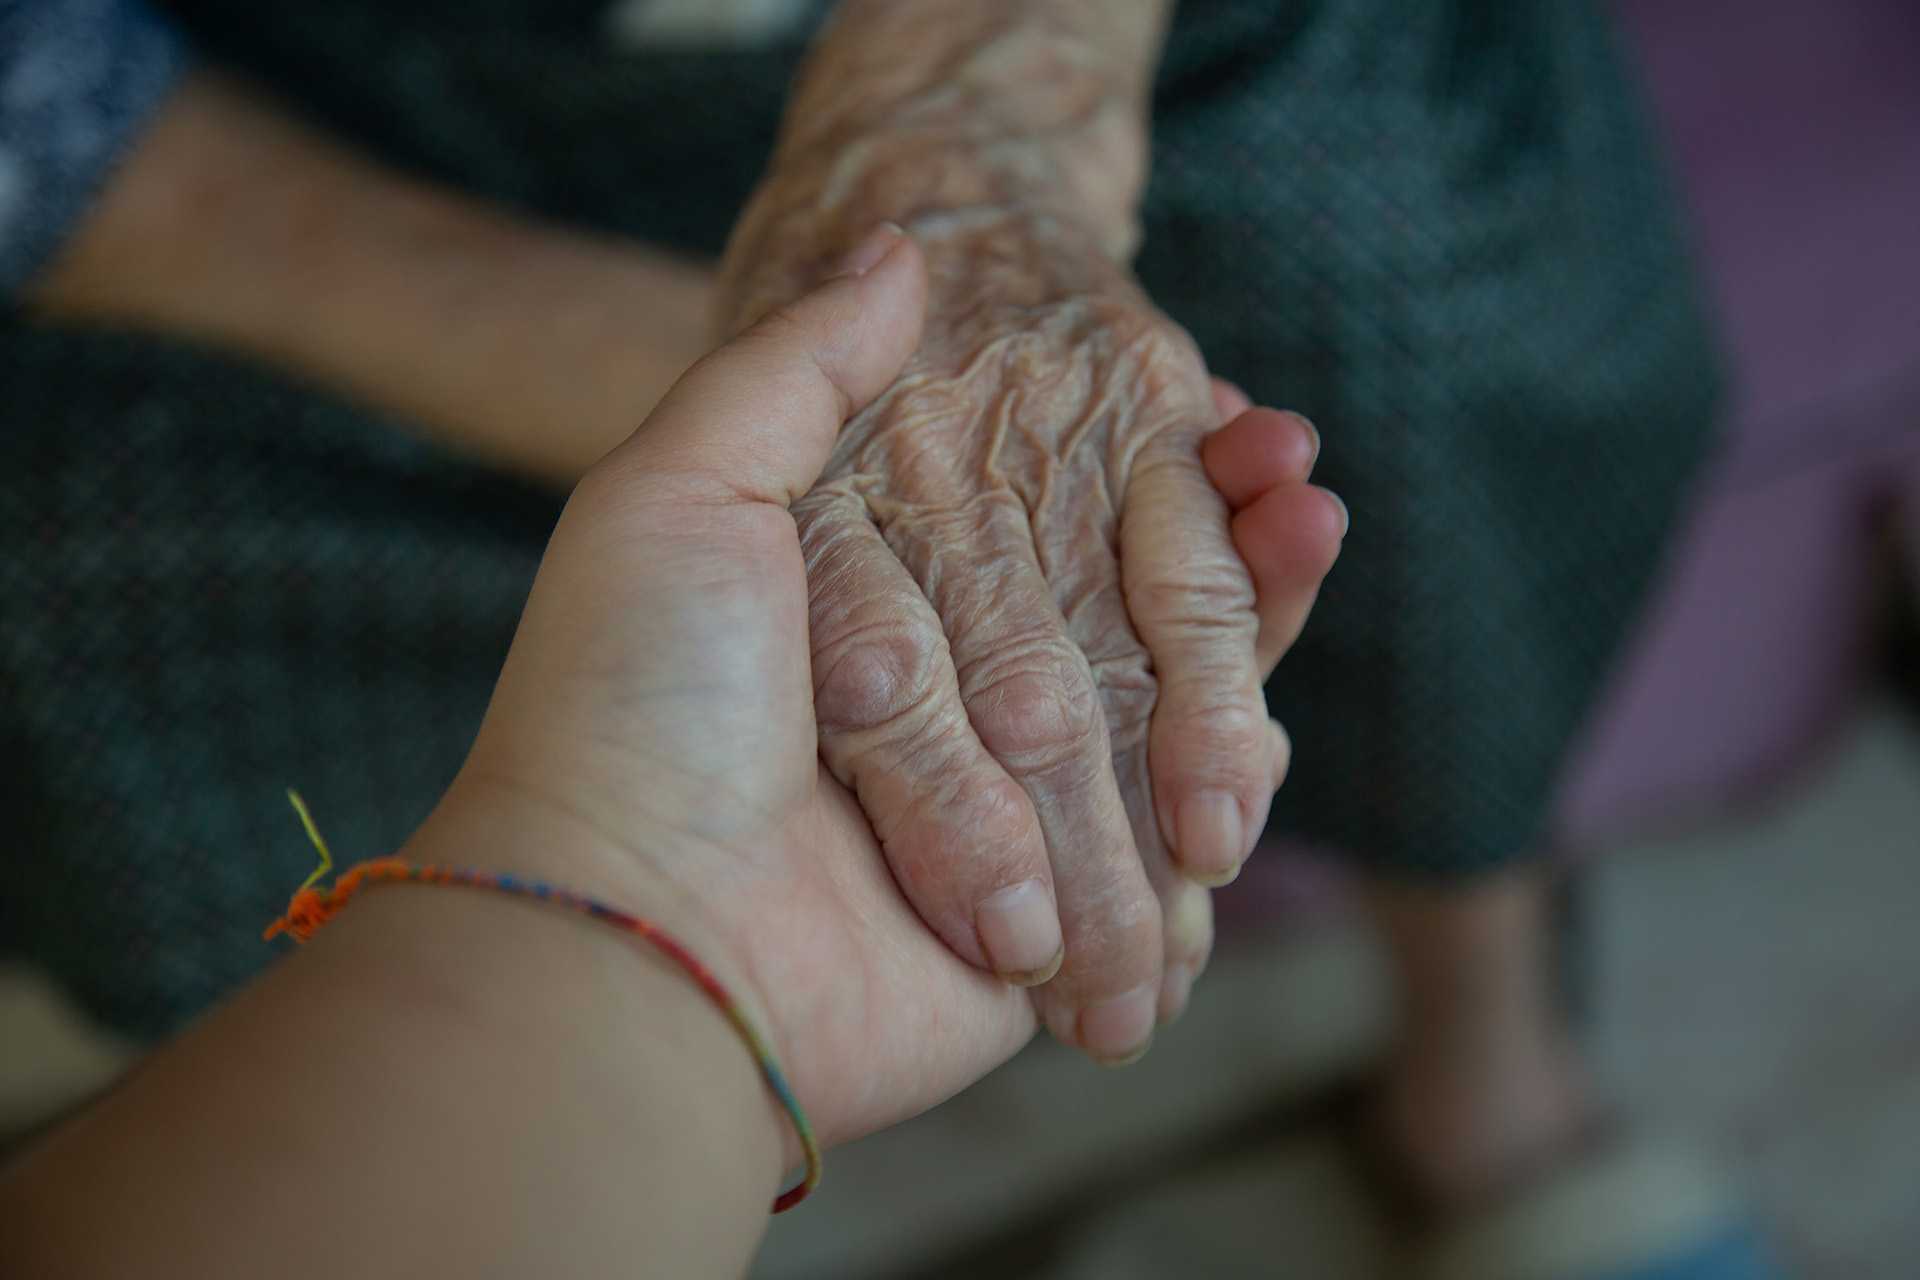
1216	879
1118	1031
1020	929
1211	835
867	255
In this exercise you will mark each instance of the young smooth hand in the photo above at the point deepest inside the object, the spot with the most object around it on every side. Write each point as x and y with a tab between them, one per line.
467	1084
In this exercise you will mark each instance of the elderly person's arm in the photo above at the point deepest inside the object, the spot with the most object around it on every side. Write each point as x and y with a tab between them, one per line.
1010	108
227	222
1033	644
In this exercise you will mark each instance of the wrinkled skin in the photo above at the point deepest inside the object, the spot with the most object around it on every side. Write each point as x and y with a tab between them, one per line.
652	732
1034	643
1032	637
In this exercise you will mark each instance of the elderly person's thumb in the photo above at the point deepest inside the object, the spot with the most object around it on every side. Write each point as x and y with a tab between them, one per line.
755	420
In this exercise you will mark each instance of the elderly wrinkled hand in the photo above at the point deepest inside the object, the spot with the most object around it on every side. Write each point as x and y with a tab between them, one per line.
1036	653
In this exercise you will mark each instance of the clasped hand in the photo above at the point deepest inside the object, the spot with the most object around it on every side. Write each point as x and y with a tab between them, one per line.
702	595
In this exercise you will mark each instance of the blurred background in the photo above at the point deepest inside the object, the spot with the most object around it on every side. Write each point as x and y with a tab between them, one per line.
1739	823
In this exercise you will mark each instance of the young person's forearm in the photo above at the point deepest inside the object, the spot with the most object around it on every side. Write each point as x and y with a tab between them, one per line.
523	344
446	1082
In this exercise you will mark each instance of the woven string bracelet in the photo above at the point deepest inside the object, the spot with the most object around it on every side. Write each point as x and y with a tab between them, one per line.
312	906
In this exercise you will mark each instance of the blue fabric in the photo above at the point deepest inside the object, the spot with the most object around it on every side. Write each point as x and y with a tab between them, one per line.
78	80
1734	1254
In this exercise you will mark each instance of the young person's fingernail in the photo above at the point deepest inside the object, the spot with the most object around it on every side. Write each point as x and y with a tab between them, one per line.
1020	930
1346	517
868	254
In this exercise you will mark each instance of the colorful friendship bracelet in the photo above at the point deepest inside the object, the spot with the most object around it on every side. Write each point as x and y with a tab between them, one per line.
312	907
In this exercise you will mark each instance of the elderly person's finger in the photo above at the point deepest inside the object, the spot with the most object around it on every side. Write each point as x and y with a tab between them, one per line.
1191	600
1187	909
1031	697
960	835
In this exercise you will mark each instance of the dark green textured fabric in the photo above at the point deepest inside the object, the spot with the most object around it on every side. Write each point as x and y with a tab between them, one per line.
1438	230
1434	228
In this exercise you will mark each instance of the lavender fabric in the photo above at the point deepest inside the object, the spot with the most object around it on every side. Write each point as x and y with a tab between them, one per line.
1793	126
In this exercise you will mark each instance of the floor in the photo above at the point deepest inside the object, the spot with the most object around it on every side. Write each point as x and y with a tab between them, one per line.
1756	987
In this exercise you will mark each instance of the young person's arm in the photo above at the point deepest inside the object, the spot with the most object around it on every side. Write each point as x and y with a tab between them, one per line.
451	1082
445	1082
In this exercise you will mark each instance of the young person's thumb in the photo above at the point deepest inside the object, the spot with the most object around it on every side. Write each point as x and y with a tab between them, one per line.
755	420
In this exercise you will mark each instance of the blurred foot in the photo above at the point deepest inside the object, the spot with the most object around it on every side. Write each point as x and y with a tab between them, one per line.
1485	1133
1462	1125
1484	1087
1626	1209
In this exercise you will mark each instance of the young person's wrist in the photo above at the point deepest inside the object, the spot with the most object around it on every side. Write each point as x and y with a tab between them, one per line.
502	827
583	1047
